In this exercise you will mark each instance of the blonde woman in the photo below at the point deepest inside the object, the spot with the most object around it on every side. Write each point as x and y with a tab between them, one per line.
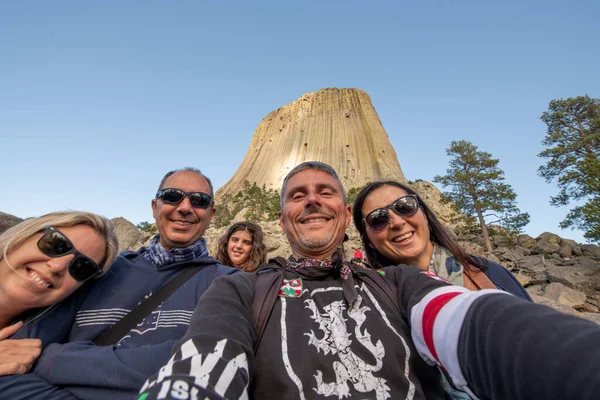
42	261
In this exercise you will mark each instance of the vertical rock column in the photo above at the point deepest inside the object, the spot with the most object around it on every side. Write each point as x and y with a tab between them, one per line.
339	127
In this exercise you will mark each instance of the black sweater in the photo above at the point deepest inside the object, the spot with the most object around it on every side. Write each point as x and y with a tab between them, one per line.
493	345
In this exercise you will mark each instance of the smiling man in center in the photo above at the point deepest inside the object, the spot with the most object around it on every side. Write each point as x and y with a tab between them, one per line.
313	213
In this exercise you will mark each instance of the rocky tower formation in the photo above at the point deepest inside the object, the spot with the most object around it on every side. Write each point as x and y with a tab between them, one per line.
339	127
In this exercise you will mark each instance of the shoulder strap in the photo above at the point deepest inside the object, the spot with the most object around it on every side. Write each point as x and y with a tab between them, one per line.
378	283
116	332
267	282
479	279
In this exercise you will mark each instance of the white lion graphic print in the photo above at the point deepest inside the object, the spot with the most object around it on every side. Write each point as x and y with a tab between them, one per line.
335	336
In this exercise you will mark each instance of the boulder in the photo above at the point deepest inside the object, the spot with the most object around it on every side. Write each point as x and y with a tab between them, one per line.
476	239
130	237
535	290
532	267
565	308
565	295
590	250
576	276
492	257
553	304
275	240
524	280
504	241
505	254
533	264
565	251
526	241
473	248
575	248
546	246
549	237
7	221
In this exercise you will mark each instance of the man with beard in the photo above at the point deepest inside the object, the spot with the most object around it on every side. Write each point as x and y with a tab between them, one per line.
71	364
339	330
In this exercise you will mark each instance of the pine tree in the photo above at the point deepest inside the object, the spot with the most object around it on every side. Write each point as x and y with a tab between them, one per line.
573	149
477	188
146	226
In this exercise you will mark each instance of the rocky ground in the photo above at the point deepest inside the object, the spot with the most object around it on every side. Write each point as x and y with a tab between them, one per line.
557	272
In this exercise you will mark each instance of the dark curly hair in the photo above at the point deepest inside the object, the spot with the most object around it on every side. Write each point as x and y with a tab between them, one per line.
437	233
258	254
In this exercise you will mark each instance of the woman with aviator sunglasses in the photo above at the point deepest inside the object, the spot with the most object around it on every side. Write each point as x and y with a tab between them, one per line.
42	261
397	227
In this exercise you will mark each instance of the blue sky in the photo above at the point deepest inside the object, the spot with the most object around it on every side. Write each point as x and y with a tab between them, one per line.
98	99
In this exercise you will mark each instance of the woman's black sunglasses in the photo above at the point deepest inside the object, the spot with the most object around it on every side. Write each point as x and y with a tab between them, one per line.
405	206
176	196
54	243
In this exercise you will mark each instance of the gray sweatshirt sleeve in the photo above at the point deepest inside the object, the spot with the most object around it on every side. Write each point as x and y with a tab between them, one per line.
215	358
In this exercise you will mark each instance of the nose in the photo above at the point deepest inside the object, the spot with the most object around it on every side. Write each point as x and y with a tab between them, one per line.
59	265
396	221
185	206
312	198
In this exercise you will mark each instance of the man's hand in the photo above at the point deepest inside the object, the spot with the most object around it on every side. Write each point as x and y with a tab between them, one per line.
17	355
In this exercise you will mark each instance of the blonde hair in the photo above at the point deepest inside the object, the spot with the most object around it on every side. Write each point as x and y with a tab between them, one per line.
18	234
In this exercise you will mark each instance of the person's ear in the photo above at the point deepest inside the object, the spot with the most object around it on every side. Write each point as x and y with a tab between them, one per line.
348	215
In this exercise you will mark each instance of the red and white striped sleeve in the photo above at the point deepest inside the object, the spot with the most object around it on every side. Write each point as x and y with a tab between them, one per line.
436	323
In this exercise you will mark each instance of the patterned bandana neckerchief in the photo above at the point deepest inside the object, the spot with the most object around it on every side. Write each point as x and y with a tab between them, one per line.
446	266
160	257
311	269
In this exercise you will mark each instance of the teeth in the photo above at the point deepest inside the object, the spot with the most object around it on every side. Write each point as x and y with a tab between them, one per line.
403	237
36	278
308	221
182	223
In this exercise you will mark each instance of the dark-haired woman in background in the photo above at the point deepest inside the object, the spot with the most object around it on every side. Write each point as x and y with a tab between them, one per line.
242	247
397	227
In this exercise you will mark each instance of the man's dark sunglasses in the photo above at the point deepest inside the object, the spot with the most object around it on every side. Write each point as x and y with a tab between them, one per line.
405	206
54	243
176	196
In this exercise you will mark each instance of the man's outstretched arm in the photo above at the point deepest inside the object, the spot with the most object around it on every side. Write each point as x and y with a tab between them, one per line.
537	352
495	345
215	358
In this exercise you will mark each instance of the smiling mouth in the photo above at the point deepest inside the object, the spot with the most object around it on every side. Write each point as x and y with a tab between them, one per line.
314	220
38	280
182	223
402	238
